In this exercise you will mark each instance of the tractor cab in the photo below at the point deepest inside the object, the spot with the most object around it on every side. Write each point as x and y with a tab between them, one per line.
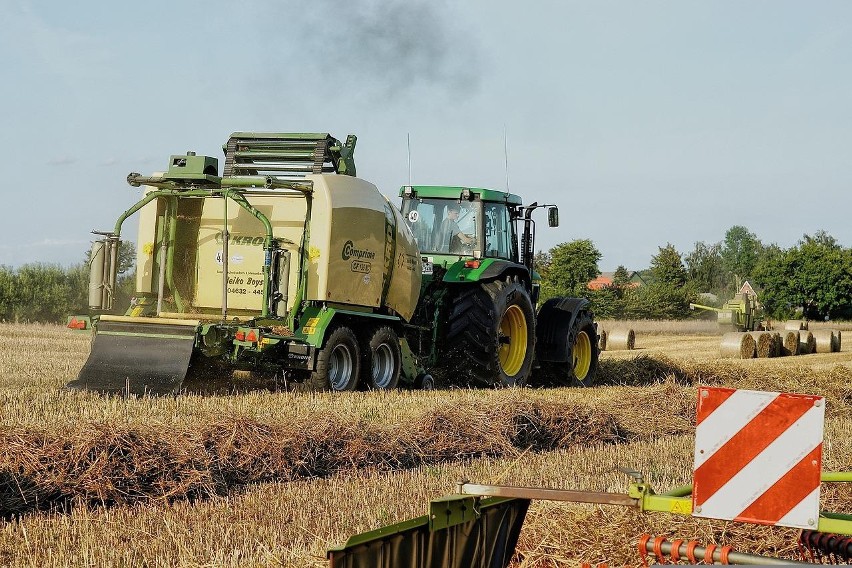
453	223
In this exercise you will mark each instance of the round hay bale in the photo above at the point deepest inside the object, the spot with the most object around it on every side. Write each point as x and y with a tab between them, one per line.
602	340
795	325
621	339
807	343
837	341
776	344
738	345
764	344
823	340
790	343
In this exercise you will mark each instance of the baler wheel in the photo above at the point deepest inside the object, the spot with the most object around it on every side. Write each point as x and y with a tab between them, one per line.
491	334
338	362
384	359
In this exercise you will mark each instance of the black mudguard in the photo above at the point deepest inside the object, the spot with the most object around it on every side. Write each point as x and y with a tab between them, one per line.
554	321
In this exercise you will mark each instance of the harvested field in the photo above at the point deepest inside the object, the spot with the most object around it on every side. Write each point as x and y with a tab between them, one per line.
270	478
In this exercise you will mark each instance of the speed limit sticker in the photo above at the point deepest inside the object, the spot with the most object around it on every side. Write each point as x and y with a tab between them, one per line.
413	216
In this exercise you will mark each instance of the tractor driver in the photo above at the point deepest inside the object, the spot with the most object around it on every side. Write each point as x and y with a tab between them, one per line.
450	237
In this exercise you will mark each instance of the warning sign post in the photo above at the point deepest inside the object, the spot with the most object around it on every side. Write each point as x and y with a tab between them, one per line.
758	457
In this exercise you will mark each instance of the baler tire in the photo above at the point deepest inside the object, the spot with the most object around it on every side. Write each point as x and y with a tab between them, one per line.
482	320
425	382
583	353
383	359
338	362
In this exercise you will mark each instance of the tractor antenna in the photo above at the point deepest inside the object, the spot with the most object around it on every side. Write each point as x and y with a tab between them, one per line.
506	155
409	158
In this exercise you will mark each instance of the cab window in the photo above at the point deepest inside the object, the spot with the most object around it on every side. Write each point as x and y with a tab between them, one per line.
498	231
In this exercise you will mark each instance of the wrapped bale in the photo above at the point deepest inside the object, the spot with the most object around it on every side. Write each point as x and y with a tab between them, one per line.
823	340
764	344
790	343
795	325
602	340
738	345
807	343
619	339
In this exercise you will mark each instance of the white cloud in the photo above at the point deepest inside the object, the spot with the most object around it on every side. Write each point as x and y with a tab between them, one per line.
46	242
62	161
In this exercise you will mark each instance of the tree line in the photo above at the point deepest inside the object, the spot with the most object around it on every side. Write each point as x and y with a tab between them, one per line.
49	293
812	279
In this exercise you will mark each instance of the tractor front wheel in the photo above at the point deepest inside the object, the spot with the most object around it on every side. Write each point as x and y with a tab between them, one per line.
581	368
338	362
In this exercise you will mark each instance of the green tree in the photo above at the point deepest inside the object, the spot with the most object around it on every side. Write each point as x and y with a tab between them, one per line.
8	296
740	253
814	276
667	266
606	302
43	293
621	278
704	268
572	266
668	294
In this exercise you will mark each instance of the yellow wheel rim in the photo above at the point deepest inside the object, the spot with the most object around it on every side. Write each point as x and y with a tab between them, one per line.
582	354
513	340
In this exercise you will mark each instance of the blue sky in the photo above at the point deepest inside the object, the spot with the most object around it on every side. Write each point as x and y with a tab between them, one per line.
646	122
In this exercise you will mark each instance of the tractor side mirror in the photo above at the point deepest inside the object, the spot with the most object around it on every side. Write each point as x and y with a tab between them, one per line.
553	217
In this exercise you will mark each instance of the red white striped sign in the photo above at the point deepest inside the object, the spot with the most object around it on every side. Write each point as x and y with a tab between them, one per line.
758	457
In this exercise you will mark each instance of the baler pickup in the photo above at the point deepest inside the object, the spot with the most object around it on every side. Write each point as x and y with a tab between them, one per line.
140	356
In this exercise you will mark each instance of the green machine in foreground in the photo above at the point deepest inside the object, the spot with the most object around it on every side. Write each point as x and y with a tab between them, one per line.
289	270
479	526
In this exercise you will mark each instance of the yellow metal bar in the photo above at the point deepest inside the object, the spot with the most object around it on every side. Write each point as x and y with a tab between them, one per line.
837	476
167	321
547	494
836	526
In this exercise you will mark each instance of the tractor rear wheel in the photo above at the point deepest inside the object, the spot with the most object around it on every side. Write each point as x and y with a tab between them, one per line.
338	362
491	334
383	359
582	366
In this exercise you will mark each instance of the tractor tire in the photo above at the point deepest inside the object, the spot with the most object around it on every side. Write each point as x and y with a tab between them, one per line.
581	369
383	359
491	335
338	362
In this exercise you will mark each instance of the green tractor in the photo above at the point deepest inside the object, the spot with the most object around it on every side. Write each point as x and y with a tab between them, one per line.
288	268
476	322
